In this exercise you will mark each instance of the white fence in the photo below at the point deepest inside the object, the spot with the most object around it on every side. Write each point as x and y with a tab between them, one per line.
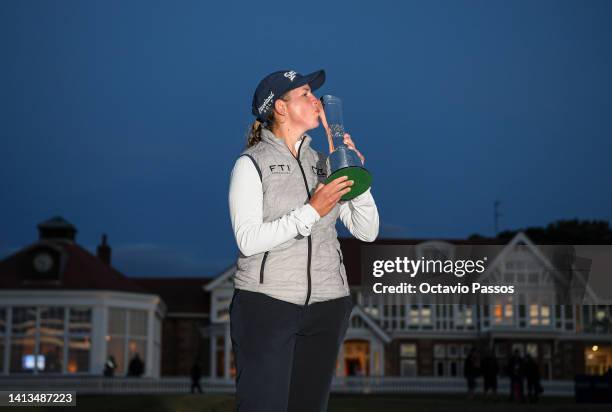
171	385
424	385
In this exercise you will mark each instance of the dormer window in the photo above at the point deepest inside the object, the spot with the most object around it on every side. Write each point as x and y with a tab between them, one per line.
221	300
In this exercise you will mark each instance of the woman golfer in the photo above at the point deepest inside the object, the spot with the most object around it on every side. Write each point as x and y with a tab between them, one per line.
291	304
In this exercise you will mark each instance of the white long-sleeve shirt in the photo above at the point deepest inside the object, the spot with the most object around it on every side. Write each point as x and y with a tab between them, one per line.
359	215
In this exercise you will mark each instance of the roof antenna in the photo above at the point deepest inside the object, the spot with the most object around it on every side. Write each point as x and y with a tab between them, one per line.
496	216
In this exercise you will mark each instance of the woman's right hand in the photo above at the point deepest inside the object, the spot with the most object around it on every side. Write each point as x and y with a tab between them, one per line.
326	196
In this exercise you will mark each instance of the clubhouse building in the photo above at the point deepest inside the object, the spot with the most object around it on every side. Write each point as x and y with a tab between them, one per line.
65	311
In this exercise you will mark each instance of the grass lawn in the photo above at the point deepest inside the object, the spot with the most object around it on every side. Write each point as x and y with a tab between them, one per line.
338	403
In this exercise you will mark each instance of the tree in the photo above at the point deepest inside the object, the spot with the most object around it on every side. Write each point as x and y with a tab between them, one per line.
574	232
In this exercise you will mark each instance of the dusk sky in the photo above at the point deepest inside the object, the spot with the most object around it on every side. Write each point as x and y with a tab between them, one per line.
126	117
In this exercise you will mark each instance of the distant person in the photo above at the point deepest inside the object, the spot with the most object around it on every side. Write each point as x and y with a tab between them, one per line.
110	366
490	370
470	371
532	373
196	375
516	373
136	366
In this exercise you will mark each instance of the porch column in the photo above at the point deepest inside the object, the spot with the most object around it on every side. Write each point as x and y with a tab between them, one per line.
150	356
373	352
213	355
227	351
99	319
377	356
382	360
340	370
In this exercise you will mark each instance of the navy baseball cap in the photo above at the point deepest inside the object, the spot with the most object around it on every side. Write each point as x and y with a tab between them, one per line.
278	83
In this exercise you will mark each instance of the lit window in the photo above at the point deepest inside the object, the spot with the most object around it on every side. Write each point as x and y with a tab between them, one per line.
408	350
468	316
79	344
497	312
545	315
222	308
426	316
414	314
532	349
408	363
372	311
127	338
600	315
533	315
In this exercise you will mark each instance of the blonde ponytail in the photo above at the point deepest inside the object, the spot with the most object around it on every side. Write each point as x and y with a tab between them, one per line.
254	132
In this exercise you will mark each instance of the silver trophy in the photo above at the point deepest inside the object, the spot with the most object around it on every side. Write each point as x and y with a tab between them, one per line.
342	160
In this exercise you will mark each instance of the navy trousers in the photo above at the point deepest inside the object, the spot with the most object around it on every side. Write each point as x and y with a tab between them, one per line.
285	354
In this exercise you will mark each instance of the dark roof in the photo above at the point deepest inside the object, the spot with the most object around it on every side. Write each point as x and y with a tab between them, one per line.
351	250
184	295
56	222
76	269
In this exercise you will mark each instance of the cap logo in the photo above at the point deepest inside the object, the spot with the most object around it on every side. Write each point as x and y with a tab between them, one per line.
290	75
266	103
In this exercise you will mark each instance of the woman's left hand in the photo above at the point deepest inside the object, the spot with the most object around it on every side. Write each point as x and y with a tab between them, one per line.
349	142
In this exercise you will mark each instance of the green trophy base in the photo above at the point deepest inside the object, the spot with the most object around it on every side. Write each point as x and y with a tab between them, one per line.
361	177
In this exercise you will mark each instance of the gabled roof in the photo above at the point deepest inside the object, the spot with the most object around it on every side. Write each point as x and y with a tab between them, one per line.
221	279
81	270
372	325
519	238
522	238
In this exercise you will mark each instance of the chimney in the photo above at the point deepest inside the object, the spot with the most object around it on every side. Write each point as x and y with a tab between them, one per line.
104	251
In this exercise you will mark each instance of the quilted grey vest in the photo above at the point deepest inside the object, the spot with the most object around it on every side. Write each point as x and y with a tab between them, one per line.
302	270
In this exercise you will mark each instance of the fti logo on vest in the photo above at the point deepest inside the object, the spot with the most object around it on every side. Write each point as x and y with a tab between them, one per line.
319	171
280	169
